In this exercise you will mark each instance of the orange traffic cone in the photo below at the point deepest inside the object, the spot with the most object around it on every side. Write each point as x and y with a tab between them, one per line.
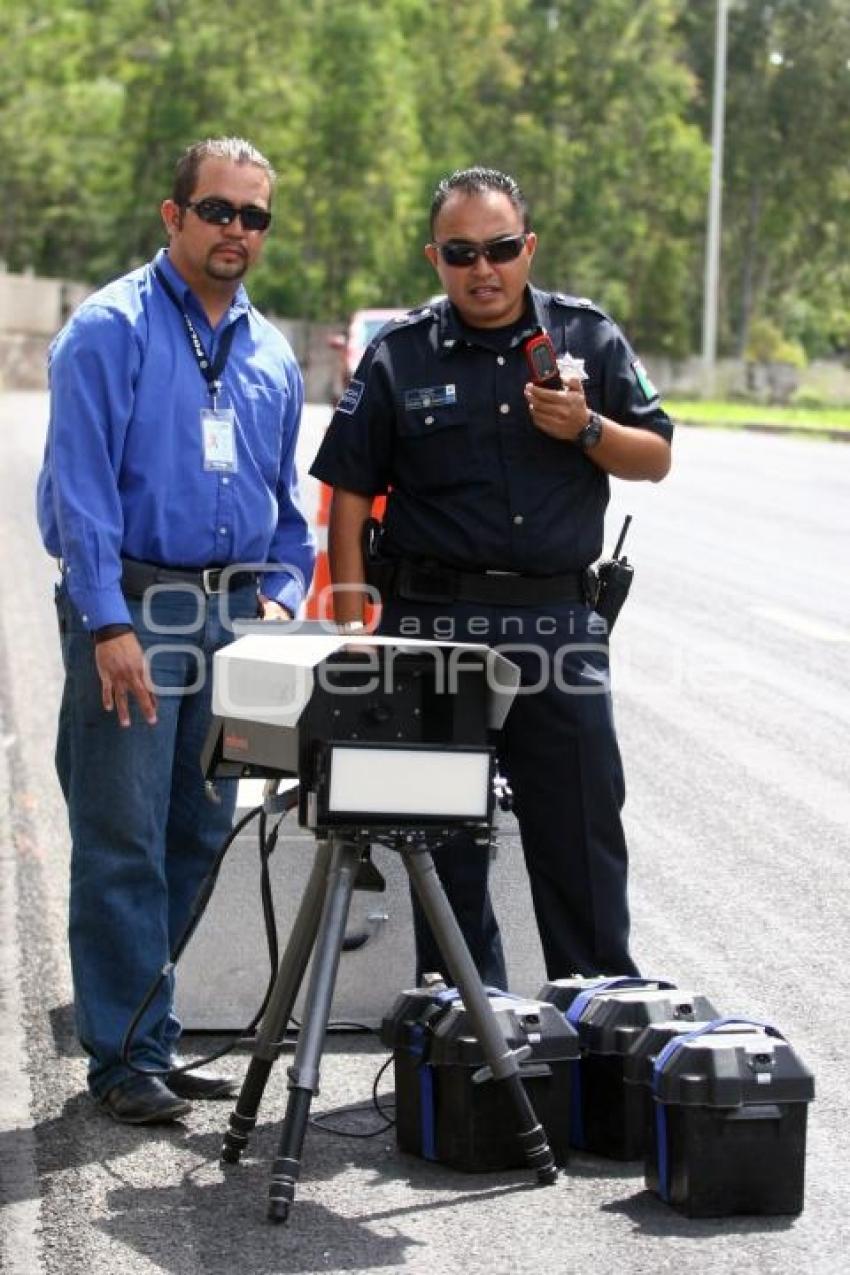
318	606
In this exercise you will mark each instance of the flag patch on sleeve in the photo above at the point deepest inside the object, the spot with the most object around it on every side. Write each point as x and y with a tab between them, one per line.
642	378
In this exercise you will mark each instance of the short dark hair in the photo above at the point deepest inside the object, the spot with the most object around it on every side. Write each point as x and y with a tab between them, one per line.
475	181
236	149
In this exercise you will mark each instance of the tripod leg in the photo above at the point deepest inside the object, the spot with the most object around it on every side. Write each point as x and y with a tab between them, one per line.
273	1027
500	1058
304	1072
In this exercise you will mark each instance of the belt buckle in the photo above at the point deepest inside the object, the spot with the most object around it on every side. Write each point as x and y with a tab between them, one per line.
211	580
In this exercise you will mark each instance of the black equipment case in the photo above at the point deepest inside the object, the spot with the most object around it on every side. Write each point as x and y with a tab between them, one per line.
448	1112
730	1121
609	1117
563	991
638	1067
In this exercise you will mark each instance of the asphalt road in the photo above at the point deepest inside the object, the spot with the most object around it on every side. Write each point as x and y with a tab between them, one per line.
733	699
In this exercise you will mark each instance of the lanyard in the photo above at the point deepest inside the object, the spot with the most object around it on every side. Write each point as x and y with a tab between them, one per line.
211	371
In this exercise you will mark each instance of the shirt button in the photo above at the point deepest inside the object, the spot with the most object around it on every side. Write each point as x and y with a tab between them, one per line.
222	531
518	520
225	481
85	619
429	420
504	408
501	360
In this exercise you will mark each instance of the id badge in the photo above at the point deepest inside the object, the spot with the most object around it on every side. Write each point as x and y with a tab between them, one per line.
218	431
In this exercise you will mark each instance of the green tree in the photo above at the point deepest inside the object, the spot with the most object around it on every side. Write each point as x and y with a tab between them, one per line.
601	110
60	120
358	148
619	174
785	240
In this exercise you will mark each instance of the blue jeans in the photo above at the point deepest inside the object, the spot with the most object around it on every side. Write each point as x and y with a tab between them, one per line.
143	831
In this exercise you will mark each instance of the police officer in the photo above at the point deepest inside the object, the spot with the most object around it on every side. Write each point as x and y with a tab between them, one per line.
497	496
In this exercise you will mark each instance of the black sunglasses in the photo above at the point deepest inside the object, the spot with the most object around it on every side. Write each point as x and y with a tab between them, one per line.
220	212
462	252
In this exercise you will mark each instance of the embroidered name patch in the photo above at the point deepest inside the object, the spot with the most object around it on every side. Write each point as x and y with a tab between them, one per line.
435	396
350	400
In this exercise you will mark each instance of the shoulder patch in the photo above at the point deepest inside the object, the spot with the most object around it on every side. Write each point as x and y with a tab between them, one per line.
350	400
642	378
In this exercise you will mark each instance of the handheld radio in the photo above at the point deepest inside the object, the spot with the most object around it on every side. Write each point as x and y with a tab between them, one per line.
615	579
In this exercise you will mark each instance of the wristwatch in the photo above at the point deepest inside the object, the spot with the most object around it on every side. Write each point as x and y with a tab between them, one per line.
589	436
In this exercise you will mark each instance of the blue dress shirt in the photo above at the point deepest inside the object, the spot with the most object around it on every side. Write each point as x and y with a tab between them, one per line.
123	472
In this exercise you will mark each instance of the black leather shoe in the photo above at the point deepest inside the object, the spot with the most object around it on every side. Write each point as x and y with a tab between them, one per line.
200	1084
144	1100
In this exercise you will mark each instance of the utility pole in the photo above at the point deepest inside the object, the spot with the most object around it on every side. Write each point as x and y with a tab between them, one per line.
715	199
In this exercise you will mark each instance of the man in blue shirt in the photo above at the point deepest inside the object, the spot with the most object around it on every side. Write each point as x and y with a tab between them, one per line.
174	414
496	506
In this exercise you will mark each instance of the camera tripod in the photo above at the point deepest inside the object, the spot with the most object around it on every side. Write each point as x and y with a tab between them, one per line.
319	929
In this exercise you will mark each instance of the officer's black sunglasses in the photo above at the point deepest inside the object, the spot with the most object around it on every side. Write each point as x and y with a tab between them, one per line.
463	252
220	212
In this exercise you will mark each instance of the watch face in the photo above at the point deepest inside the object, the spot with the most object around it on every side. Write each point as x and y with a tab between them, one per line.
591	433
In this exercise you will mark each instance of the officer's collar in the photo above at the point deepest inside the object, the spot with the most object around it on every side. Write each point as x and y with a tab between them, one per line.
452	331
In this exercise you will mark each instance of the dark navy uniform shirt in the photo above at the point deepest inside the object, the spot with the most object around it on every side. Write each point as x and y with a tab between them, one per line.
436	414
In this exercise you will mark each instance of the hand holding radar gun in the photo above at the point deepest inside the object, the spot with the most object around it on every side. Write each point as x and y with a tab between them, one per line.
615	574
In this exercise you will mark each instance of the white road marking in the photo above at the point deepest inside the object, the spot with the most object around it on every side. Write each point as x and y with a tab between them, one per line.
20	1249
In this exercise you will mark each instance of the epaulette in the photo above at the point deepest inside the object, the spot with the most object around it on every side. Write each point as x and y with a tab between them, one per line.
400	323
413	316
580	303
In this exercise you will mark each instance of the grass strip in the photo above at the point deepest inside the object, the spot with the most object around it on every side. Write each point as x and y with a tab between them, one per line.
732	414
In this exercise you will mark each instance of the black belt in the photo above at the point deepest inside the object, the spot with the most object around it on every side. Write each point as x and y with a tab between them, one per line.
434	582
138	577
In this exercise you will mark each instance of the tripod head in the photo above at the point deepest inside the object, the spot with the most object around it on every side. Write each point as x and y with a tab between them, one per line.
388	736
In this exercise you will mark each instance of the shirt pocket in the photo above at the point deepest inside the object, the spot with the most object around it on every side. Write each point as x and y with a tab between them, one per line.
435	447
265	409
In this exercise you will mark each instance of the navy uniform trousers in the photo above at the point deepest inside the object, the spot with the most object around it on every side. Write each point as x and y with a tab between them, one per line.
559	751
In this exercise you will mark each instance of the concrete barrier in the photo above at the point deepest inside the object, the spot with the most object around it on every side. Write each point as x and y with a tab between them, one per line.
32	310
23	361
29	305
315	356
